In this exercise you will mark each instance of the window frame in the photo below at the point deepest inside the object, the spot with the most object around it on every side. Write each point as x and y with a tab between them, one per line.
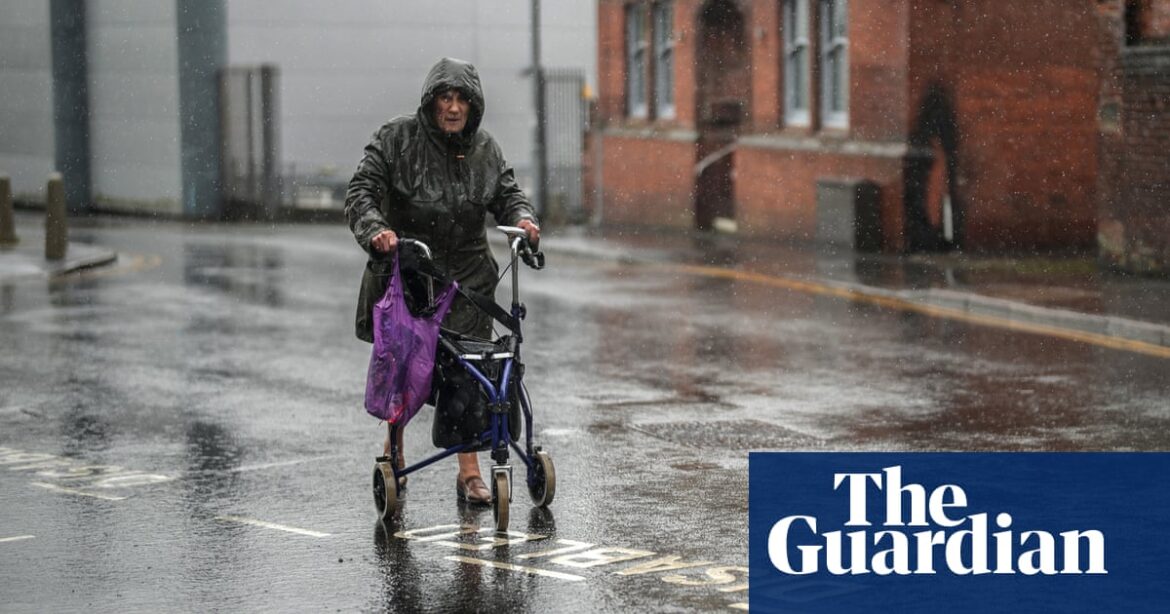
833	61
663	49
797	40
637	47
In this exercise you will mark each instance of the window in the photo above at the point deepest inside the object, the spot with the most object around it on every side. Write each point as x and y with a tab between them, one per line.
635	61
834	63
664	59
796	66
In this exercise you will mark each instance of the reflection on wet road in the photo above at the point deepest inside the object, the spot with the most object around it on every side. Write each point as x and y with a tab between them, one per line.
186	427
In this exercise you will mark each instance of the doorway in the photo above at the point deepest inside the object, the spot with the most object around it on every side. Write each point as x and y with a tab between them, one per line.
723	71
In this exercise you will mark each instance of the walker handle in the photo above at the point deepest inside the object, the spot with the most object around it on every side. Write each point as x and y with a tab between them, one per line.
426	250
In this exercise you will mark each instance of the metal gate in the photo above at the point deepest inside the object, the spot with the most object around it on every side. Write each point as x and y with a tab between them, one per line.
566	126
250	130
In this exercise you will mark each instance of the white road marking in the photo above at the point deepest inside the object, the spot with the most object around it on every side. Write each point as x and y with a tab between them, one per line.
281	464
79	493
510	567
271	525
15	538
573	546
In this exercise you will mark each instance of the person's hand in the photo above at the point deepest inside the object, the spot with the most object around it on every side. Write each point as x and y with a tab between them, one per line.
384	242
533	232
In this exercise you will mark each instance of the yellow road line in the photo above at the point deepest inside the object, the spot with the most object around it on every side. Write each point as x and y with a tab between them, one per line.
15	538
521	568
271	525
889	302
79	493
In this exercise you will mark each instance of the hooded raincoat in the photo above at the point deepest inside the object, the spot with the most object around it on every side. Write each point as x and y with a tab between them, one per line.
437	188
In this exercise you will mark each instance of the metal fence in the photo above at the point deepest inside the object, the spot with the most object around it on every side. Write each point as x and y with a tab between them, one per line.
566	125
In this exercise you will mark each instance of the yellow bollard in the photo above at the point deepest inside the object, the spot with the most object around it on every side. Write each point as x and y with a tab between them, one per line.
55	231
7	221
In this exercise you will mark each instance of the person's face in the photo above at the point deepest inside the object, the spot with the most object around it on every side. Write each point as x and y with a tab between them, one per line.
451	109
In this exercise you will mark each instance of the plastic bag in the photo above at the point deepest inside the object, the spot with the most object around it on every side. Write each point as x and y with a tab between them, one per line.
402	362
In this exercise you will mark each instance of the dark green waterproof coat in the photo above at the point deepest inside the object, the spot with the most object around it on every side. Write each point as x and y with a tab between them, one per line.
437	188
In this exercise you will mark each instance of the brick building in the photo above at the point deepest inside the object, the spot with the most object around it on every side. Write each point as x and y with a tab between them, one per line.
1134	184
947	124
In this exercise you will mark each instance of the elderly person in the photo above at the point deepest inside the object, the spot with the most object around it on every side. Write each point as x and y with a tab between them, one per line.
433	176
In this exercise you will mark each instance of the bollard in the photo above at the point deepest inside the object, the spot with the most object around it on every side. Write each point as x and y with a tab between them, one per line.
7	221
55	218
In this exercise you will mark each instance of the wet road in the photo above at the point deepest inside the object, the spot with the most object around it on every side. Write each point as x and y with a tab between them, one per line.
183	430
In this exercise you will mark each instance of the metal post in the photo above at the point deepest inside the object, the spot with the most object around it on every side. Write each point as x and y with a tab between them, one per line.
270	196
598	177
7	222
541	190
55	231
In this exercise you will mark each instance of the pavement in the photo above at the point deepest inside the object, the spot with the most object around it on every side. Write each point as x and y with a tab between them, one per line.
26	259
1065	292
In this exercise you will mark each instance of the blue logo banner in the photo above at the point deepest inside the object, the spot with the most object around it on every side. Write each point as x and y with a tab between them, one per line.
959	532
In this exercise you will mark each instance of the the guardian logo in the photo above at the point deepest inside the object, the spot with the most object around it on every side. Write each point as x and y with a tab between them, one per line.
925	533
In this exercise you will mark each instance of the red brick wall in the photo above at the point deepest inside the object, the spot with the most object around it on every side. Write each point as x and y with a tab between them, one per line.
648	181
686	28
776	190
1110	41
879	69
611	64
1152	18
767	52
1159	24
1023	82
1135	146
878	65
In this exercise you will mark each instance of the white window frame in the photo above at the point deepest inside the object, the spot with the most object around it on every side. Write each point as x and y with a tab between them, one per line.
834	62
636	52
663	23
797	63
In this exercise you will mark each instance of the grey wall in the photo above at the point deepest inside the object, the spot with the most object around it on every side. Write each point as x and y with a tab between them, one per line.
26	106
347	67
134	105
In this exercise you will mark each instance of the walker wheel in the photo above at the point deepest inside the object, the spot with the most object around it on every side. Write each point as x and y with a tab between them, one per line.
500	499
385	490
542	485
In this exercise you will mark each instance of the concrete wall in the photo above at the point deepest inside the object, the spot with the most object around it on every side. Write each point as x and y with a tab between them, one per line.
134	105
26	107
348	67
345	69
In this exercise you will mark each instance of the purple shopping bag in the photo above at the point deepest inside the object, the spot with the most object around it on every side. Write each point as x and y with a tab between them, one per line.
403	360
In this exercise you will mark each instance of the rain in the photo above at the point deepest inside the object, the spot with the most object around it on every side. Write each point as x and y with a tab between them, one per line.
767	226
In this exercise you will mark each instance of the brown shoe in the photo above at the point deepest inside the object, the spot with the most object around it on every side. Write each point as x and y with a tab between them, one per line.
473	490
